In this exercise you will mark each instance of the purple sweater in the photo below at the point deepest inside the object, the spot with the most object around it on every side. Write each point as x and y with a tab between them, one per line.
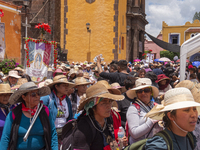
2	122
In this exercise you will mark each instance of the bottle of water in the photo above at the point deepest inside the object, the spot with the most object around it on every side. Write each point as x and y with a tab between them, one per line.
120	134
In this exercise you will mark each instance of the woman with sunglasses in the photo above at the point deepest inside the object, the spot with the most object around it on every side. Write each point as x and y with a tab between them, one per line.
140	127
29	114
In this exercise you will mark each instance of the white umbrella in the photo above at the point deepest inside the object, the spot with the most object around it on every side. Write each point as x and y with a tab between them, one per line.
164	59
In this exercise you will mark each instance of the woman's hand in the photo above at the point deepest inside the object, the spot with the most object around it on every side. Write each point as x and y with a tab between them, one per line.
125	141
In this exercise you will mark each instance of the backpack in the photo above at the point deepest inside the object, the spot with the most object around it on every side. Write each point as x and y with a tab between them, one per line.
140	145
68	132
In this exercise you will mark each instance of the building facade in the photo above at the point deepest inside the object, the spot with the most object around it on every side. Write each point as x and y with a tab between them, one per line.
116	30
150	45
10	31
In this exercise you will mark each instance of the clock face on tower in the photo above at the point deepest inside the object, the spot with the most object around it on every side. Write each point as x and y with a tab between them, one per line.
90	1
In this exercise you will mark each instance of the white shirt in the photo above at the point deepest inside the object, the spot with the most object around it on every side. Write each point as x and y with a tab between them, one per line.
63	113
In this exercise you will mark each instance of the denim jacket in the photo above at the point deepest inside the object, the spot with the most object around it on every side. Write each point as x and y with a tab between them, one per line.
50	102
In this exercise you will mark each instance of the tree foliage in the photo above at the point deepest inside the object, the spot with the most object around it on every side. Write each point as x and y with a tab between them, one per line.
6	65
196	16
169	54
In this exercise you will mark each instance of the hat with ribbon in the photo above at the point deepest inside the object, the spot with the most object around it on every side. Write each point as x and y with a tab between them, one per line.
143	83
95	93
25	88
174	99
61	79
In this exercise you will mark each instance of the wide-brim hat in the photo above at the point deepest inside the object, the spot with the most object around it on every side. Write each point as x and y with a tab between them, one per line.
193	87
109	88
143	83
58	71
18	69
81	81
174	99
61	79
5	89
27	87
97	90
12	73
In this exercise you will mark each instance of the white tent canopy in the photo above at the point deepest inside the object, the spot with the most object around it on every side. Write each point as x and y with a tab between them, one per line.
188	48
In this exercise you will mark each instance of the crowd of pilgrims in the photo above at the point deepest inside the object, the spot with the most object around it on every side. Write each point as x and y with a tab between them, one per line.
144	99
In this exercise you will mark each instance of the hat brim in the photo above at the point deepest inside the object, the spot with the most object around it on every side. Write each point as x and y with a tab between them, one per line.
158	114
71	85
83	83
155	90
105	95
14	98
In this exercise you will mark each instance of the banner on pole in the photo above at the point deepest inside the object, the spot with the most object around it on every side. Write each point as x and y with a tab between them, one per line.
149	58
38	54
2	41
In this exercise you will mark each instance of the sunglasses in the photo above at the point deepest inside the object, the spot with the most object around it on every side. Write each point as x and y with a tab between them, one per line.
33	94
147	90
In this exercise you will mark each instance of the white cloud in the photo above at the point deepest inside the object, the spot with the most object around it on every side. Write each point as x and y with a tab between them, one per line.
173	12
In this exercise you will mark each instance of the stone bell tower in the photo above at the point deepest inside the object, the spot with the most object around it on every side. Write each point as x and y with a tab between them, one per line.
136	19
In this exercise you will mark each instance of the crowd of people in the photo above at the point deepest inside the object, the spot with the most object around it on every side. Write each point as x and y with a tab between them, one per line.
148	101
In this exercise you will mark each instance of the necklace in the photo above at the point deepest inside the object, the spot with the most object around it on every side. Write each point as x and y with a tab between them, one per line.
96	127
177	141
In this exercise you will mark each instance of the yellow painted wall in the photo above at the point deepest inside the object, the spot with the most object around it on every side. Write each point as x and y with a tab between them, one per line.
100	15
62	24
12	20
167	30
122	28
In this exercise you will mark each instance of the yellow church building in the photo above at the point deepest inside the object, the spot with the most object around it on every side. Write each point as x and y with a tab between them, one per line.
179	34
113	28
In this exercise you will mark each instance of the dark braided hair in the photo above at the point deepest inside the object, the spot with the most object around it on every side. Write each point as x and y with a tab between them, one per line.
166	120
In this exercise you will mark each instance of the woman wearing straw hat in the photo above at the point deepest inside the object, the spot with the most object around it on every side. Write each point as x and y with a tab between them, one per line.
138	127
12	78
195	90
58	102
29	125
5	93
179	114
81	86
95	129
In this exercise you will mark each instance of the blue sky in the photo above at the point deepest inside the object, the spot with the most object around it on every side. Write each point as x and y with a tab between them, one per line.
173	12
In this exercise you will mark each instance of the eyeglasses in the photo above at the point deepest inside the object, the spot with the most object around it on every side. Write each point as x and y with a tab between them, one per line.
33	94
147	90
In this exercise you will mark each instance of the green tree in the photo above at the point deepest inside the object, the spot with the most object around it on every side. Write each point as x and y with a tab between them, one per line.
169	54
196	16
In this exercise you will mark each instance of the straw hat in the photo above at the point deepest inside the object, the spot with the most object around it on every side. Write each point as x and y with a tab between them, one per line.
116	86
72	71
98	90
27	87
109	88
61	79
58	71
19	83
193	87
81	81
176	98
143	83
5	88
115	106
18	69
13	74
45	83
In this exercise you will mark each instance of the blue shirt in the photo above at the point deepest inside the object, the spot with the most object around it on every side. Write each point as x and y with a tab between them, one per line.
35	140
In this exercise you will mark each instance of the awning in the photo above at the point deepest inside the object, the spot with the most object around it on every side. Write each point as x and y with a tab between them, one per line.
165	45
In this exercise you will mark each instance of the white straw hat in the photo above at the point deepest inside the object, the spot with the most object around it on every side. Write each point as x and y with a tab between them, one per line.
176	98
143	83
